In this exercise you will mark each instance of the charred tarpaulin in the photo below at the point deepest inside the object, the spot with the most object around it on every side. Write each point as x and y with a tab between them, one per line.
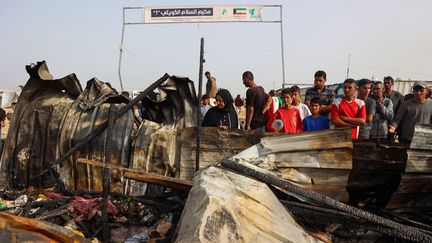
53	115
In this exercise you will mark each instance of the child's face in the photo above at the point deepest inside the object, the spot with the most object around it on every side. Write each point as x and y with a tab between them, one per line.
206	101
296	97
315	108
286	99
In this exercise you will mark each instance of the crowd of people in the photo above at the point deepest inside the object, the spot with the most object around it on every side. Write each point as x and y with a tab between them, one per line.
373	110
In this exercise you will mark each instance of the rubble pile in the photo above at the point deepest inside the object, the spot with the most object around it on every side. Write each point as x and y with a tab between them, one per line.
131	219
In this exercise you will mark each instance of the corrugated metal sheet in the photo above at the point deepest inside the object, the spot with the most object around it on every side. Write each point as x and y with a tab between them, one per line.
53	115
156	148
415	188
7	96
405	86
216	144
320	160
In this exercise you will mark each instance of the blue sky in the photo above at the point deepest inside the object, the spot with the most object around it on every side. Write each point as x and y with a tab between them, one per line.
383	38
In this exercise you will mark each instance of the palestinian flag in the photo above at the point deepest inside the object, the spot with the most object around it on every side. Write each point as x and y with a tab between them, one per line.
239	11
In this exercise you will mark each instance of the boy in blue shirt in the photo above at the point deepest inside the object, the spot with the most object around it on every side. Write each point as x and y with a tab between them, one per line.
315	122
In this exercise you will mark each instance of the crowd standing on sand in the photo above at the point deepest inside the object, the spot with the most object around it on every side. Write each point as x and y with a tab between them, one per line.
373	110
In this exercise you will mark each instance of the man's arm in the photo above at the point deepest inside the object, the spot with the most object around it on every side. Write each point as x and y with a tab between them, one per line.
353	121
387	112
307	102
370	110
338	122
398	118
359	120
267	105
249	115
335	118
308	98
324	109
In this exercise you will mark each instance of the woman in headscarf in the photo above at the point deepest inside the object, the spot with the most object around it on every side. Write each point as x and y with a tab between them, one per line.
223	114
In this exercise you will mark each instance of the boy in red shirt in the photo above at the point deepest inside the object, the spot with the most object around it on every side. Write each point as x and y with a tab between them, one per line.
289	115
349	111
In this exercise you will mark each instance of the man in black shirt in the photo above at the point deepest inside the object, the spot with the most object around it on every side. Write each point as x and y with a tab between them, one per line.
255	102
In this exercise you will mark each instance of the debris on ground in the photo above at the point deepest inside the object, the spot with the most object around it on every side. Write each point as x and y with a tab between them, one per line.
131	219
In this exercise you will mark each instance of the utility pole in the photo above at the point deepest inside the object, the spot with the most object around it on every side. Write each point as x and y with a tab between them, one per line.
198	127
349	59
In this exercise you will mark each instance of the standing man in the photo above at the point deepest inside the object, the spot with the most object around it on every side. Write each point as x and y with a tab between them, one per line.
256	99
349	111
384	113
211	87
414	111
395	96
364	89
325	95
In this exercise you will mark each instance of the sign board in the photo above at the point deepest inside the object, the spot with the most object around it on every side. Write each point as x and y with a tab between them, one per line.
244	13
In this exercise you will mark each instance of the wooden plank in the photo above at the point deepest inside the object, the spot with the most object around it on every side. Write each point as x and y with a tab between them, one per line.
319	140
143	176
419	161
414	183
215	138
422	138
207	158
331	177
216	144
340	158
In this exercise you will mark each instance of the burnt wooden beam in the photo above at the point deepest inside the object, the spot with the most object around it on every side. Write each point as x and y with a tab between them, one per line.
143	176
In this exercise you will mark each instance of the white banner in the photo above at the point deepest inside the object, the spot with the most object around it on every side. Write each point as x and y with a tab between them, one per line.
244	13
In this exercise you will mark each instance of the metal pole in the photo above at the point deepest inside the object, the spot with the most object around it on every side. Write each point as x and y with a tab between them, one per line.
349	59
198	127
106	174
121	51
282	48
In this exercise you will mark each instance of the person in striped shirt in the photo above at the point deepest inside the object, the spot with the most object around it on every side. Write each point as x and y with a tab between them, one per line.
325	94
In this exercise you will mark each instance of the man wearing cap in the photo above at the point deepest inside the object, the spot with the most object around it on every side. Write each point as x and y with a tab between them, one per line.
414	111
